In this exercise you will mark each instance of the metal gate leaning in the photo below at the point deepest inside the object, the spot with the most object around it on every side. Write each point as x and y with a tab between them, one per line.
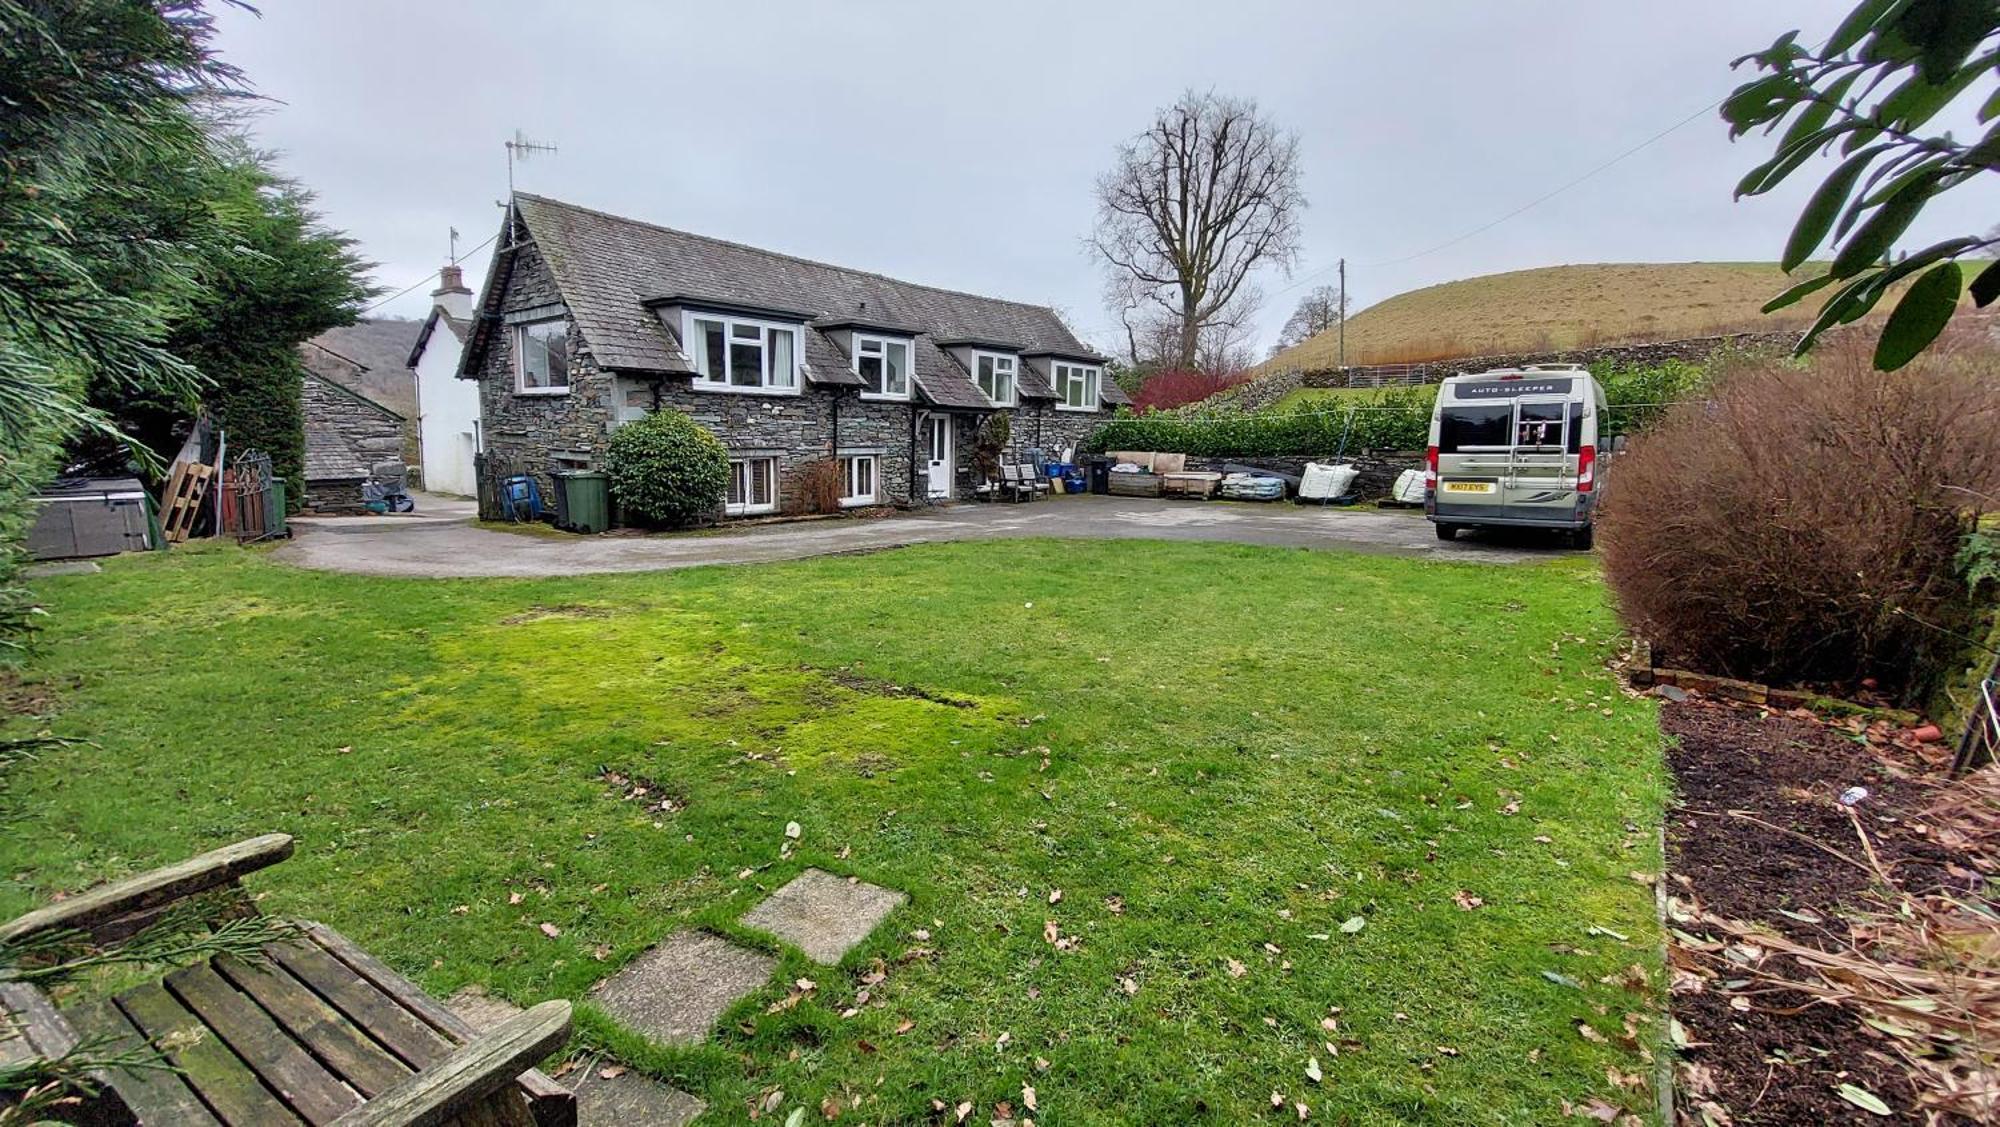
253	499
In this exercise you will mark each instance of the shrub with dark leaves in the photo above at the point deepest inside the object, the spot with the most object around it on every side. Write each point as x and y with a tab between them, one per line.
667	470
1801	524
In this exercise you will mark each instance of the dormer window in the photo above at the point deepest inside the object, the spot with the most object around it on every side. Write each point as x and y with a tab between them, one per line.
994	373
740	354
1076	386
883	363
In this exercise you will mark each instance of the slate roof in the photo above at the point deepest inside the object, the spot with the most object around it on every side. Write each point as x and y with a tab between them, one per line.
370	358
608	267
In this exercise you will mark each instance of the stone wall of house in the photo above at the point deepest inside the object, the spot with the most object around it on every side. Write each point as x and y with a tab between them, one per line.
356	429
796	429
530	433
334	497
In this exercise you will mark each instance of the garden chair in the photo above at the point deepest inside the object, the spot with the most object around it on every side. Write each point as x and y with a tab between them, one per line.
317	1031
1038	483
1013	486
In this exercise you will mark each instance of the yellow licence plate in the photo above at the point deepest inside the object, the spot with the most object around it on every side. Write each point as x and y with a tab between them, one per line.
1468	487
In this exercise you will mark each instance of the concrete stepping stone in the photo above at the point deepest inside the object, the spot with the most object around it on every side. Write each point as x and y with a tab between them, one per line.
625	1099
676	992
824	915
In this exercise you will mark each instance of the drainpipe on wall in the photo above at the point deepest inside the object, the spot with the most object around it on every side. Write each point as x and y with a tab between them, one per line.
913	451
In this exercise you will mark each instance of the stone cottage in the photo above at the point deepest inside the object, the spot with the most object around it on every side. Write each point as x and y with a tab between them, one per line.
347	435
589	320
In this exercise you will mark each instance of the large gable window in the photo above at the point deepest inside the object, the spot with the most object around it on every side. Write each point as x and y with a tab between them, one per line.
995	375
883	363
734	354
541	357
1076	386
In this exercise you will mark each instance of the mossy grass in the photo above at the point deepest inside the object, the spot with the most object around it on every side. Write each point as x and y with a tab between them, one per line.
1207	748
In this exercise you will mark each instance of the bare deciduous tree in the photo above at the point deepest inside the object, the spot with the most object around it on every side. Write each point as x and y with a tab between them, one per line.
1322	308
1209	193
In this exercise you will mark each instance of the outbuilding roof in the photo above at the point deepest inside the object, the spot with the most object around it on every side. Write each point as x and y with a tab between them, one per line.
613	272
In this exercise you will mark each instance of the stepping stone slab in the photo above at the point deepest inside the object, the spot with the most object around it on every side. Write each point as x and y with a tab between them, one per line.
625	1100
676	992
629	1100
824	915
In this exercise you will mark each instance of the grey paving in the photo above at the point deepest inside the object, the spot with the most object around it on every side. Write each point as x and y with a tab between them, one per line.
675	993
624	1098
822	914
628	1100
441	541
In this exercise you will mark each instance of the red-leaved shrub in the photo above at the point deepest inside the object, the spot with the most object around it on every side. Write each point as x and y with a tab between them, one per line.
1800	525
1179	388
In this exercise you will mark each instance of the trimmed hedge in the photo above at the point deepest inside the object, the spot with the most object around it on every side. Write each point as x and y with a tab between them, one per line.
667	469
1399	420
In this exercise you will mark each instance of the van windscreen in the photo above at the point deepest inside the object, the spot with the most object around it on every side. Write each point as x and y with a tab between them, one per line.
1483	425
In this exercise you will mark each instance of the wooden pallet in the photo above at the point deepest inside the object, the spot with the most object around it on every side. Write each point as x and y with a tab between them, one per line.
180	503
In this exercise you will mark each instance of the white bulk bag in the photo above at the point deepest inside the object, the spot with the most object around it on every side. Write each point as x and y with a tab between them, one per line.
1323	482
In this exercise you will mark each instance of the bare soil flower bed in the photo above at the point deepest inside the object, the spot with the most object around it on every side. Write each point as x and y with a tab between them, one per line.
1765	862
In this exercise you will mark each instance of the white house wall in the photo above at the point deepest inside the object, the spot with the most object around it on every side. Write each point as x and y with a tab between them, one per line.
447	417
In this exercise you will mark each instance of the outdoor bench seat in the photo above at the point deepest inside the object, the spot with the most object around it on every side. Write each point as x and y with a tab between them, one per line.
318	1032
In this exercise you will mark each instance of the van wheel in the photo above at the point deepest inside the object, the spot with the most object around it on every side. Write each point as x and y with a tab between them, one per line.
1446	531
1583	537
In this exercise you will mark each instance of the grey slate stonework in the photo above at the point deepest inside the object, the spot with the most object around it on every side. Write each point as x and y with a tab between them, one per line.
600	269
346	435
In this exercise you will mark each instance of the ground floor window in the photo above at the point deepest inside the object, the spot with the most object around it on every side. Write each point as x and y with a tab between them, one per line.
753	486
858	480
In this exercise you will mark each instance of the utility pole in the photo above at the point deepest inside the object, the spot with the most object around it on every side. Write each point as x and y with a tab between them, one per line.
1343	314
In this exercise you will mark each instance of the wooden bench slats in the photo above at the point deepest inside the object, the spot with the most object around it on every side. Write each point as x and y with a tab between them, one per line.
216	1074
345	1050
152	1095
413	1042
302	1083
554	1105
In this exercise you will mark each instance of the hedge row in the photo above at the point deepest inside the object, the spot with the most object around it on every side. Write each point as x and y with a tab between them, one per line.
1399	420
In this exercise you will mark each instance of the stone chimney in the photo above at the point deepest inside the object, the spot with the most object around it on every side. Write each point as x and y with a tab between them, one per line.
451	293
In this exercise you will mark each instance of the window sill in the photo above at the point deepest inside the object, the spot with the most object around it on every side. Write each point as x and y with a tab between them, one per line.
748	510
858	502
1079	410
541	391
732	389
881	397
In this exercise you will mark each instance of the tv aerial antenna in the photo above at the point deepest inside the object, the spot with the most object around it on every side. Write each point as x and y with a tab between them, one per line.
519	147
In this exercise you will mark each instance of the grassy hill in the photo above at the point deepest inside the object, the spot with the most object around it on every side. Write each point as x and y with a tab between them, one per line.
1556	307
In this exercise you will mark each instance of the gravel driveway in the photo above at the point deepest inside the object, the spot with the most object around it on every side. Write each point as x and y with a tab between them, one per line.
441	540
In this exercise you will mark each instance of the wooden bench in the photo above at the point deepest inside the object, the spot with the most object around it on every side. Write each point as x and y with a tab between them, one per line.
320	1033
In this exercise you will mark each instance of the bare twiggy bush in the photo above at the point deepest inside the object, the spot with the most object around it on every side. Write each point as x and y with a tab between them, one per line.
1801	524
820	486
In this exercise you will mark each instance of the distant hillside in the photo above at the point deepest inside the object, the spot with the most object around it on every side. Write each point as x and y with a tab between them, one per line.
1557	307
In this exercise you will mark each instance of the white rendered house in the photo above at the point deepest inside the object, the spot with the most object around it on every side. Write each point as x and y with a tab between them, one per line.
447	407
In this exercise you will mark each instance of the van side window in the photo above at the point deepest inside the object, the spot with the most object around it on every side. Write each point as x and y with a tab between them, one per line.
1575	428
1481	425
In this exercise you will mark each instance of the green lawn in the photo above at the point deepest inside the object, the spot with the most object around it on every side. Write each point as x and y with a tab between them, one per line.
1327	397
1219	754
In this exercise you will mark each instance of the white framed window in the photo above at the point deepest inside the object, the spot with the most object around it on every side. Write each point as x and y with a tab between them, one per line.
883	363
860	483
994	372
744	355
753	486
541	357
1076	386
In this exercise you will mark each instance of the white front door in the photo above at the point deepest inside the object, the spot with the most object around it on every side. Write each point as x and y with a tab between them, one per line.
936	450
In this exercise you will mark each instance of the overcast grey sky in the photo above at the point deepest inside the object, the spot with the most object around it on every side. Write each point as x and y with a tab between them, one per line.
957	144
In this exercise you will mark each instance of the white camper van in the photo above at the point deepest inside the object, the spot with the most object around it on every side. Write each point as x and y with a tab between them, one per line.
1516	446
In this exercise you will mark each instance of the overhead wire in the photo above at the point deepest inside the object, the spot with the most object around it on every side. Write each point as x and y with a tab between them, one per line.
426	279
